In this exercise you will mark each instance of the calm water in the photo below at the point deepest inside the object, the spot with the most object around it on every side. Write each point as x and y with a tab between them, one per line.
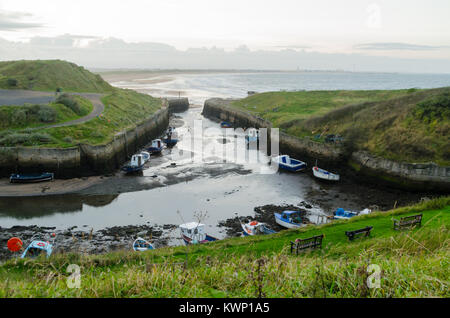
219	188
198	87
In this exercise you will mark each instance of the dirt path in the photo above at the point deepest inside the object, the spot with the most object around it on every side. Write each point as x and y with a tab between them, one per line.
20	97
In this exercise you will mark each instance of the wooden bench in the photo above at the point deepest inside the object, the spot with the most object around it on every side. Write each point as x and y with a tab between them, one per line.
352	234
408	221
303	244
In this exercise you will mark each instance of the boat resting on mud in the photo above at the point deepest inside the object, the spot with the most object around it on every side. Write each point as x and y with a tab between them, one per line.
142	245
324	174
289	219
287	163
256	228
194	233
31	178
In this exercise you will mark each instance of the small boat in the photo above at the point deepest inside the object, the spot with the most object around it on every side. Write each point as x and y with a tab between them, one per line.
145	156
136	164
289	219
256	228
324	174
33	177
252	136
194	233
287	163
141	245
342	214
226	124
170	142
156	147
37	248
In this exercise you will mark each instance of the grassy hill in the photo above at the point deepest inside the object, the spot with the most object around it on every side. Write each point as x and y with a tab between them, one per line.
123	108
48	75
407	125
411	263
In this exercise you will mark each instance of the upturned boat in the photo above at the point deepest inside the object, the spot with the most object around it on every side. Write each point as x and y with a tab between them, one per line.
287	163
226	124
194	233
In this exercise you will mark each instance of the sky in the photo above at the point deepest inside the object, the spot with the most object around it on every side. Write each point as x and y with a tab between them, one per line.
417	31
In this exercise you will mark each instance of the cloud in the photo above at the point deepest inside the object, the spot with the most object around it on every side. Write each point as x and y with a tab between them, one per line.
14	21
396	46
102	53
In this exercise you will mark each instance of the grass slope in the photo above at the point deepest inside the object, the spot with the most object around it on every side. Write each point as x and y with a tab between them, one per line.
411	263
405	125
123	108
48	75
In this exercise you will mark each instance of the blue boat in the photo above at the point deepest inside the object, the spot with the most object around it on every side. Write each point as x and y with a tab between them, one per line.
170	142
37	248
289	219
342	214
136	164
29	178
226	124
287	163
256	228
156	147
141	245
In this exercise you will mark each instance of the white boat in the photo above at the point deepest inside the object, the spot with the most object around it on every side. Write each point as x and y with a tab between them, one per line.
256	228
287	163
289	219
136	164
194	233
324	174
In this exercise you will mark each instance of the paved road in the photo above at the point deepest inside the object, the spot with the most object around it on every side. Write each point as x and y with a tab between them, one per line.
20	97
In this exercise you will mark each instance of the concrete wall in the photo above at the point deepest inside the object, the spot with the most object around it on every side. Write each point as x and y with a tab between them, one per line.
178	105
366	167
84	160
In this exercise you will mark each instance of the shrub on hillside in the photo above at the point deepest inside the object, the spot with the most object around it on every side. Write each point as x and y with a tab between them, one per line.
19	117
69	102
14	139
46	114
12	82
436	108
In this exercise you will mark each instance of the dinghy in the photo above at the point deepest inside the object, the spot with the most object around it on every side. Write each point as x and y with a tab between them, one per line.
37	248
342	214
256	228
289	219
30	178
225	124
194	233
156	147
136	164
287	163
141	245
324	174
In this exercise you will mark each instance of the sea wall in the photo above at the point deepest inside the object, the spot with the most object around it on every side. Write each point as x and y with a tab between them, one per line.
308	150
178	105
362	165
84	160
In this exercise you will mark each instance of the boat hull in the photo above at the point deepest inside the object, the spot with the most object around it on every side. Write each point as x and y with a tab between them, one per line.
285	223
325	175
154	150
187	240
18	178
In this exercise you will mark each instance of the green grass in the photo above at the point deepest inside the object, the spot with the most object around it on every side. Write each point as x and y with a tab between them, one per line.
404	125
413	263
48	75
124	109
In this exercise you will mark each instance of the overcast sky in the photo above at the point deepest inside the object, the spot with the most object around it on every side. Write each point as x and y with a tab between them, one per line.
398	29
